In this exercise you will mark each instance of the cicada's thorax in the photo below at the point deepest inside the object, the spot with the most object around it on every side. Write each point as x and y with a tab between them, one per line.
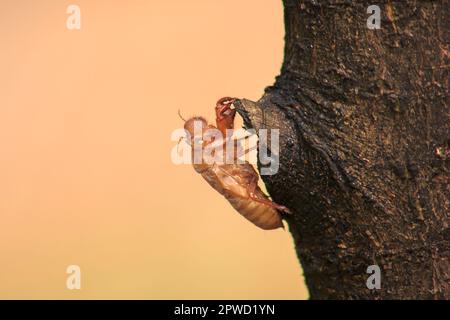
202	162
212	151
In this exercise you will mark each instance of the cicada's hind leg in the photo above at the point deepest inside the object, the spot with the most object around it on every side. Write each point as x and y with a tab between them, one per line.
252	191
225	115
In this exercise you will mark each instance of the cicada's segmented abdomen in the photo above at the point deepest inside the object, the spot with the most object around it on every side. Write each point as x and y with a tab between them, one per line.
259	214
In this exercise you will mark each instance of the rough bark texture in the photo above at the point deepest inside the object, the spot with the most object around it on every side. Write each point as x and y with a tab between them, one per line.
363	118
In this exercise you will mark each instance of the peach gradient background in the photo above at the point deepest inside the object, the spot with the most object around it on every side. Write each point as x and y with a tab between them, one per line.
85	170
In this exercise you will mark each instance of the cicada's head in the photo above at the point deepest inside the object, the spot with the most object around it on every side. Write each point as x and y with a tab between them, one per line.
195	128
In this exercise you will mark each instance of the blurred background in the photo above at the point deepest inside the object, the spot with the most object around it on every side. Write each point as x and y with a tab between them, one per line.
86	176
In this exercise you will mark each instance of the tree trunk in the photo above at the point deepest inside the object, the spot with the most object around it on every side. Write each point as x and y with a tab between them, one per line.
364	144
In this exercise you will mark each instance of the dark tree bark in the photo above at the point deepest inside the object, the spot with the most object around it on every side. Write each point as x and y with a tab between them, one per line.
363	118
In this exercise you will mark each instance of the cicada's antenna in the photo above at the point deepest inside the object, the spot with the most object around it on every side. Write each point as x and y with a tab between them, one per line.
181	117
182	138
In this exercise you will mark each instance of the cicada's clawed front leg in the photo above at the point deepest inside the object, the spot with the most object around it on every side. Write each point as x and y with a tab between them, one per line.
225	114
